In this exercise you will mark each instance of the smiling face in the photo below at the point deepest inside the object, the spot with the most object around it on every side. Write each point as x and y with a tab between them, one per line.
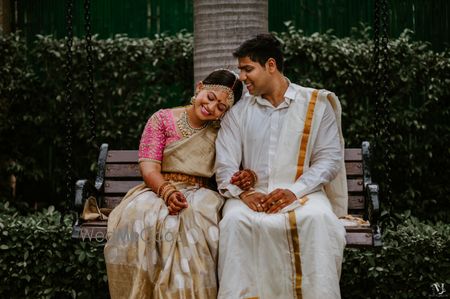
210	104
256	77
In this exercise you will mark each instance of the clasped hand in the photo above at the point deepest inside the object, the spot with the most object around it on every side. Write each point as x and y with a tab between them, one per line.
176	202
257	201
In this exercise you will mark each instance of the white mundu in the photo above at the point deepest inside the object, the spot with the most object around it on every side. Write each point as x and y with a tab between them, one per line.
298	145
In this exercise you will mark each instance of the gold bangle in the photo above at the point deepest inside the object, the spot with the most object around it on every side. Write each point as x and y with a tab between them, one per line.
160	188
164	190
167	190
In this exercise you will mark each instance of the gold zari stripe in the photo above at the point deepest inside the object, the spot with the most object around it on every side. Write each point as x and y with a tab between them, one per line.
306	132
296	248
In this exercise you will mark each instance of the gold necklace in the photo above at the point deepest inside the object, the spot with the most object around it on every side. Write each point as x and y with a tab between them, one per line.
185	127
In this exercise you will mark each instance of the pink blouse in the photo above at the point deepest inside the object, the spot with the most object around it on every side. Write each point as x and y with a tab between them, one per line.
159	132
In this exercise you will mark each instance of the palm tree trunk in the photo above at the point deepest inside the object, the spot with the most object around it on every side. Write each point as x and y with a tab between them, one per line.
220	26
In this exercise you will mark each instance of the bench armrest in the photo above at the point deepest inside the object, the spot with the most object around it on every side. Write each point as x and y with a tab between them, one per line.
372	211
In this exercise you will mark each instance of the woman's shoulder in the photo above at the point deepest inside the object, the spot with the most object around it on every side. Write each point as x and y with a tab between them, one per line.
167	114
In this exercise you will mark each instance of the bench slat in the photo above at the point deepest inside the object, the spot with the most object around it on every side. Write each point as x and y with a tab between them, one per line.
120	187
356	202
354	168
353	185
355	237
111	202
128	156
122	156
122	170
132	170
353	154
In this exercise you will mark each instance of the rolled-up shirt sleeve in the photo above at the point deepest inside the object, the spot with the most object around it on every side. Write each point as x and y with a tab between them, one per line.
326	157
228	154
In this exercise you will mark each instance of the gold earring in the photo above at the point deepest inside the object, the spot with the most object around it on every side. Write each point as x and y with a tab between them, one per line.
193	100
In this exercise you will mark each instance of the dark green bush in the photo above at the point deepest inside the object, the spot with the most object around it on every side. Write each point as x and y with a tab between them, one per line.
418	81
134	77
38	258
415	256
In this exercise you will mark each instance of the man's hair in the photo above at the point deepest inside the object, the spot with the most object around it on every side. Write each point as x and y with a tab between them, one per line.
260	49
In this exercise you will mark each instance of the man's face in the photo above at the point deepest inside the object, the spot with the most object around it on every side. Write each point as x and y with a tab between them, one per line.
254	76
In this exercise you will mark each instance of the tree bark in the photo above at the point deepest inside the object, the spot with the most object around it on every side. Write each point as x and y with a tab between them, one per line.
5	16
220	26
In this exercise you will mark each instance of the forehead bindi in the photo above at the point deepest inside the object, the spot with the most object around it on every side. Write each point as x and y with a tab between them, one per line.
220	96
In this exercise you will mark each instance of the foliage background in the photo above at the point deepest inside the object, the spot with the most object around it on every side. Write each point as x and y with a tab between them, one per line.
135	77
38	259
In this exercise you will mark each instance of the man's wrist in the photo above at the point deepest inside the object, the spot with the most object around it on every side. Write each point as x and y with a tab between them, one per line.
244	194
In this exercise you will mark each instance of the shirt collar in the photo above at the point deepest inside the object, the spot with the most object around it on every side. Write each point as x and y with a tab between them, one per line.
289	95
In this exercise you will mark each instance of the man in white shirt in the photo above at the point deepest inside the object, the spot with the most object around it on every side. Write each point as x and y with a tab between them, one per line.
282	239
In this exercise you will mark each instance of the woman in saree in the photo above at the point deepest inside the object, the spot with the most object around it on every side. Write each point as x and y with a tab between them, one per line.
163	236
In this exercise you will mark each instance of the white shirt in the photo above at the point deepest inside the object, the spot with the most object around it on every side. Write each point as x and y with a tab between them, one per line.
250	137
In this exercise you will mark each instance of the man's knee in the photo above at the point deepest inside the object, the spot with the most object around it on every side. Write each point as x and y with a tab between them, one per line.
315	215
233	220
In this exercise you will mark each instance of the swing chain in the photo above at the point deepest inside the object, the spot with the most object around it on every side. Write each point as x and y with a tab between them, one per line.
383	126
386	99
90	71
69	100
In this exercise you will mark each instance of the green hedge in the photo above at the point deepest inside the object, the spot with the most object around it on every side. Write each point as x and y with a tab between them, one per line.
415	255
38	259
134	77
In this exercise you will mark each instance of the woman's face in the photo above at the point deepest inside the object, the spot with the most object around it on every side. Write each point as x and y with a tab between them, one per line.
210	104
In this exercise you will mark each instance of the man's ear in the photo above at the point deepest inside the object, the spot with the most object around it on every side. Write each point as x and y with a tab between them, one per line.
271	65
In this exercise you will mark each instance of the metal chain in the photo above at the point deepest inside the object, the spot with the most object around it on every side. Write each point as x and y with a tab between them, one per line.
386	103
90	71
382	144
68	100
376	64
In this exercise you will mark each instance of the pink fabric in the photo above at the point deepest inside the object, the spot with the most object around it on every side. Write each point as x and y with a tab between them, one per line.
159	131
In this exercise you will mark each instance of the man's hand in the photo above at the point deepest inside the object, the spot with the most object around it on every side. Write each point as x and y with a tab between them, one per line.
277	200
253	200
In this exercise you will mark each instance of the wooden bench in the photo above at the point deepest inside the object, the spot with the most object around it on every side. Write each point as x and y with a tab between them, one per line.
118	171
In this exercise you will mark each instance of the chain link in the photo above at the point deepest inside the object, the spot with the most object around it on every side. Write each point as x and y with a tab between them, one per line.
383	126
68	101
386	100
90	71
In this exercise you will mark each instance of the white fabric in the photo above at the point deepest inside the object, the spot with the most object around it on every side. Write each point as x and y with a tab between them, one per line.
250	133
254	254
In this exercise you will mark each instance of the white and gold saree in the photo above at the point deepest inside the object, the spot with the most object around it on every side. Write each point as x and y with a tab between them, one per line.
150	254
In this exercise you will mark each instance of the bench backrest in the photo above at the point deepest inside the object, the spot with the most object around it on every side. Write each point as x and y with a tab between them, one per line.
121	173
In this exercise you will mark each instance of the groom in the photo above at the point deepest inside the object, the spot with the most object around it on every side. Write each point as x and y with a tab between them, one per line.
282	239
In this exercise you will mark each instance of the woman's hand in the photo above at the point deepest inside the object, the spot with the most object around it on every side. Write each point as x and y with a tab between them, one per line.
176	203
244	179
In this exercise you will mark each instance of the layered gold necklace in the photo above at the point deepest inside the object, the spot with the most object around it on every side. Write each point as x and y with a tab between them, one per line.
185	127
